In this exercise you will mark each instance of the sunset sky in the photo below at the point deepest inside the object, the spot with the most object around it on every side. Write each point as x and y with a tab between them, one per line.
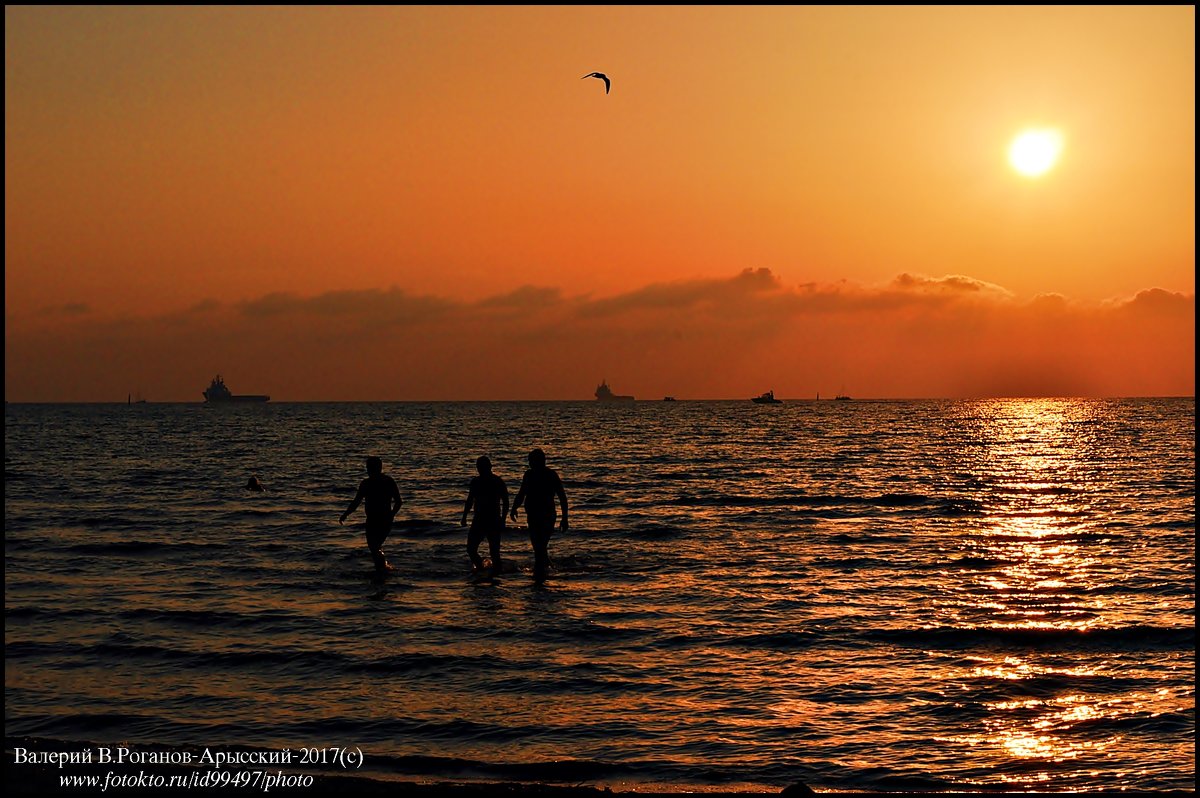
415	202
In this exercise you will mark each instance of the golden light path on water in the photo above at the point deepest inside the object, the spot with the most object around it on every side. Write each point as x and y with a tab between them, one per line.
1048	581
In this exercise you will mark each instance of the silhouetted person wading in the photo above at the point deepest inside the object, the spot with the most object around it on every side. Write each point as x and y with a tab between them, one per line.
383	501
539	486
489	496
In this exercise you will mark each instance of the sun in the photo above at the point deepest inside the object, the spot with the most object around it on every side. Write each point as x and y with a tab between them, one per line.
1034	151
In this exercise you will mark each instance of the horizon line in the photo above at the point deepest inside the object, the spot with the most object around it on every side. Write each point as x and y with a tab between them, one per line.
599	402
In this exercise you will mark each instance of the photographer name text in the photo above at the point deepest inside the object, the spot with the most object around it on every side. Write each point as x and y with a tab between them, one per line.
343	757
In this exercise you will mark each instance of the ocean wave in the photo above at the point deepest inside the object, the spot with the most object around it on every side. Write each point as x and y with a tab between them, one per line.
975	563
877	539
1037	514
1133	586
192	618
776	641
652	531
460	731
423	527
104	521
1131	638
252	514
1040	490
135	547
92	725
1183	524
658	477
208	618
987	689
1047	537
939	506
1153	724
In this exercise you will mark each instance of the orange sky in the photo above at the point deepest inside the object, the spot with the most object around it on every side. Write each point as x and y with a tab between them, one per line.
429	203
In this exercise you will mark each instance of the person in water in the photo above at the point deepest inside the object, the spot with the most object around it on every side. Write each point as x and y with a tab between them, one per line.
489	496
383	501
254	485
539	486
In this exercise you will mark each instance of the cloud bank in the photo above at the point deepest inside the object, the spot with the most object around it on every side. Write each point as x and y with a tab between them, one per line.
917	336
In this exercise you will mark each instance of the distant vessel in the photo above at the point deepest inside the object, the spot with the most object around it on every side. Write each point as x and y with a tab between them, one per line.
218	392
841	397
138	401
605	394
767	398
668	398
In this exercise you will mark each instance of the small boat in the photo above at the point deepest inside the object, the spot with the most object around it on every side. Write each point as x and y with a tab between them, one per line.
605	394
767	398
218	392
668	398
841	397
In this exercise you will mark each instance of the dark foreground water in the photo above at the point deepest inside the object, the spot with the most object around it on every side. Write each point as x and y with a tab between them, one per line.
855	595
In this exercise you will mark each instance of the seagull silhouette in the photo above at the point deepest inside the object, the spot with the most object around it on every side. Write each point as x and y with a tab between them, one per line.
602	77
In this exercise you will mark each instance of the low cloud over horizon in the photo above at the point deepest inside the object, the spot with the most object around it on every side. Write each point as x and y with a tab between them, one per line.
915	337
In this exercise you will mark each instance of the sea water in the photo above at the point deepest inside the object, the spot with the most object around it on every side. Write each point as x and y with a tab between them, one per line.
864	595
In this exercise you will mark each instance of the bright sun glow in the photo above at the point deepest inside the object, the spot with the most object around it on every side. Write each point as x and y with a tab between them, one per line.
1033	152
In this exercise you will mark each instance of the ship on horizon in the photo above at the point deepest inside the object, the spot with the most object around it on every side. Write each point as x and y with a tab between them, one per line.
605	394
219	392
767	398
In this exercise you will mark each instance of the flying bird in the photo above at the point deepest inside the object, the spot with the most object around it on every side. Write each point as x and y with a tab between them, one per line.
602	77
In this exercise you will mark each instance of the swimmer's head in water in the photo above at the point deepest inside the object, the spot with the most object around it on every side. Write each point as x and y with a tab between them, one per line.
484	465
537	458
374	465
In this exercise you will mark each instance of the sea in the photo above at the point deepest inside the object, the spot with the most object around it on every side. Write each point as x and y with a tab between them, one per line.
851	595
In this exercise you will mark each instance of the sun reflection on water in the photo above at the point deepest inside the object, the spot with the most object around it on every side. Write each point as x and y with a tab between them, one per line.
1036	548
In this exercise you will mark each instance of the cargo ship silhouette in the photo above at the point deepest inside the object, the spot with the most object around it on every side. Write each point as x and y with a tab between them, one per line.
605	394
219	392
